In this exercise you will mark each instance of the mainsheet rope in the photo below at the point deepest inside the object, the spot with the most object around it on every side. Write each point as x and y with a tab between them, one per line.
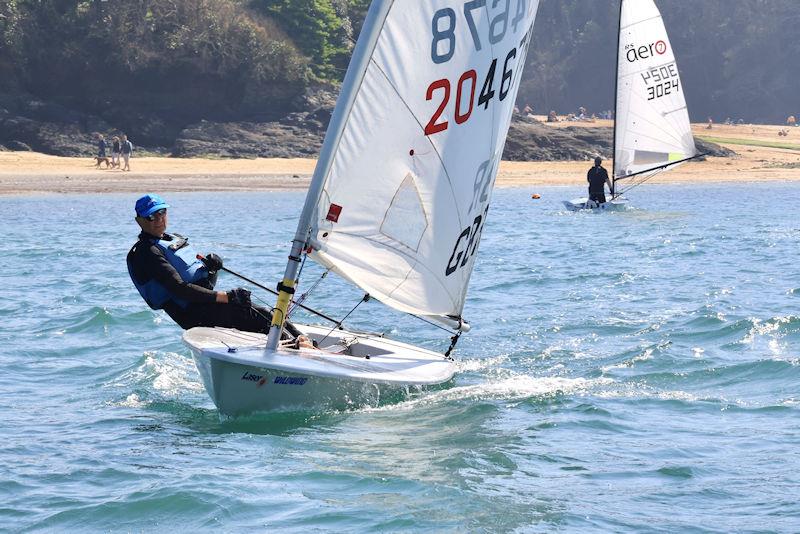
339	324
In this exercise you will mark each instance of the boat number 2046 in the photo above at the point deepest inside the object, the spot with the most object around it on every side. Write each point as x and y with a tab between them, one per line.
443	46
661	81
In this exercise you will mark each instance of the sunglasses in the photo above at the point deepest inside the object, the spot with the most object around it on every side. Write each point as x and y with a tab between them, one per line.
157	215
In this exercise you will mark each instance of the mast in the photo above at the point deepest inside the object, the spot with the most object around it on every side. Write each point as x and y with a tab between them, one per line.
362	54
616	90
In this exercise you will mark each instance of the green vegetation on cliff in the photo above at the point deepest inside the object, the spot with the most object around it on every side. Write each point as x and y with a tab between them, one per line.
155	66
737	58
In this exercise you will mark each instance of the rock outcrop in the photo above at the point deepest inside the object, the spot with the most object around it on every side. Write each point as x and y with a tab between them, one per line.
30	124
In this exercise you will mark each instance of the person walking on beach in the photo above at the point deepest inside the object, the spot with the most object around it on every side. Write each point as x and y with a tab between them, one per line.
126	149
598	178
101	146
115	152
101	150
165	270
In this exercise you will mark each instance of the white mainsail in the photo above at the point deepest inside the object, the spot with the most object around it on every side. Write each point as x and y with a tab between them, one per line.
652	122
407	170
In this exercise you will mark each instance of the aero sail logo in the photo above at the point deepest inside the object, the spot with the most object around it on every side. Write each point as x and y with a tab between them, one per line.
634	53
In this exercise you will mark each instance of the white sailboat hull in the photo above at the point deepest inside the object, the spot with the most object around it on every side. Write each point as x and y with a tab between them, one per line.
241	376
577	204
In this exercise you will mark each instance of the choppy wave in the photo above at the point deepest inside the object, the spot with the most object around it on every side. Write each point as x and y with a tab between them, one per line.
624	370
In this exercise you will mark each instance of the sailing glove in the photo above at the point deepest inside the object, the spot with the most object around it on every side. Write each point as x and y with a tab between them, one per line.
239	297
212	262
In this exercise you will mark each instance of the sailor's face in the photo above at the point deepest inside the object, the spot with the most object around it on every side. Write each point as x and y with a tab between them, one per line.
155	224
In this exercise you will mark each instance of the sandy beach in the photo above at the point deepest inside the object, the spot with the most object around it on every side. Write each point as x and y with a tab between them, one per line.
34	173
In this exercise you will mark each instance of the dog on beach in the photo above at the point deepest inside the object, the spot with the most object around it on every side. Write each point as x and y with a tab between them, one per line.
102	159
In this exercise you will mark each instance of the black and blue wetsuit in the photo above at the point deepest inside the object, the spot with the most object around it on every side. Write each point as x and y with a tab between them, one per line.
167	274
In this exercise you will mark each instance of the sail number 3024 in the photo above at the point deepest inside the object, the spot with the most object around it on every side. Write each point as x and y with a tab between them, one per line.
661	81
443	46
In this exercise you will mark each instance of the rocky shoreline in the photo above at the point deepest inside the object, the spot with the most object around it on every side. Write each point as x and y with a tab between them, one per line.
28	124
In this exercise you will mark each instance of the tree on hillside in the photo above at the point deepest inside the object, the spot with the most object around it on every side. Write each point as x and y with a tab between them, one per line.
188	59
9	37
317	29
571	59
740	61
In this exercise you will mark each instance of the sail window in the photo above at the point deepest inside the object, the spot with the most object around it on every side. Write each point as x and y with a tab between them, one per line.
405	220
645	157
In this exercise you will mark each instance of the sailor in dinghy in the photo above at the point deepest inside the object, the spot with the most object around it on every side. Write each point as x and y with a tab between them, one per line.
169	276
652	132
396	205
598	179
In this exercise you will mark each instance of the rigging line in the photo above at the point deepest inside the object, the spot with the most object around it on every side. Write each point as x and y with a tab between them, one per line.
670	112
655	171
440	327
667	135
640	182
643	118
300	271
261	286
417	263
427	137
296	285
400	251
302	298
349	105
305	295
616	111
365	298
664	166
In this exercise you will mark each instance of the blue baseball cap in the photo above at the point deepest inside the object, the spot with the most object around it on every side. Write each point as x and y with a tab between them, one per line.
149	204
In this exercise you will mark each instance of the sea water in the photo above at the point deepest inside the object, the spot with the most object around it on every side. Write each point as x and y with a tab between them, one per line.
635	371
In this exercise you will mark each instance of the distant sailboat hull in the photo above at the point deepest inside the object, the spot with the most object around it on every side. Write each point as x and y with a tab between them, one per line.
578	204
242	377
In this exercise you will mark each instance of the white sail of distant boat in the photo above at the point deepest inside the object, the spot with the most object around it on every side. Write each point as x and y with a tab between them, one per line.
398	200
651	121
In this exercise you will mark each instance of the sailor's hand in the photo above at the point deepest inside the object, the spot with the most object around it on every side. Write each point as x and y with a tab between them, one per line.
300	342
304	342
212	262
239	297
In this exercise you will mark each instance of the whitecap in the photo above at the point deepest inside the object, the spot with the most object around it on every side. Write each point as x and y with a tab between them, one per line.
512	388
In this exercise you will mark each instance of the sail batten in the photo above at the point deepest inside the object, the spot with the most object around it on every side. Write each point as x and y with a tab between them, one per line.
404	199
652	126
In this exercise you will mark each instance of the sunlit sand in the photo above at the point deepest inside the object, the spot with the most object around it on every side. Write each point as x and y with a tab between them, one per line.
32	173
